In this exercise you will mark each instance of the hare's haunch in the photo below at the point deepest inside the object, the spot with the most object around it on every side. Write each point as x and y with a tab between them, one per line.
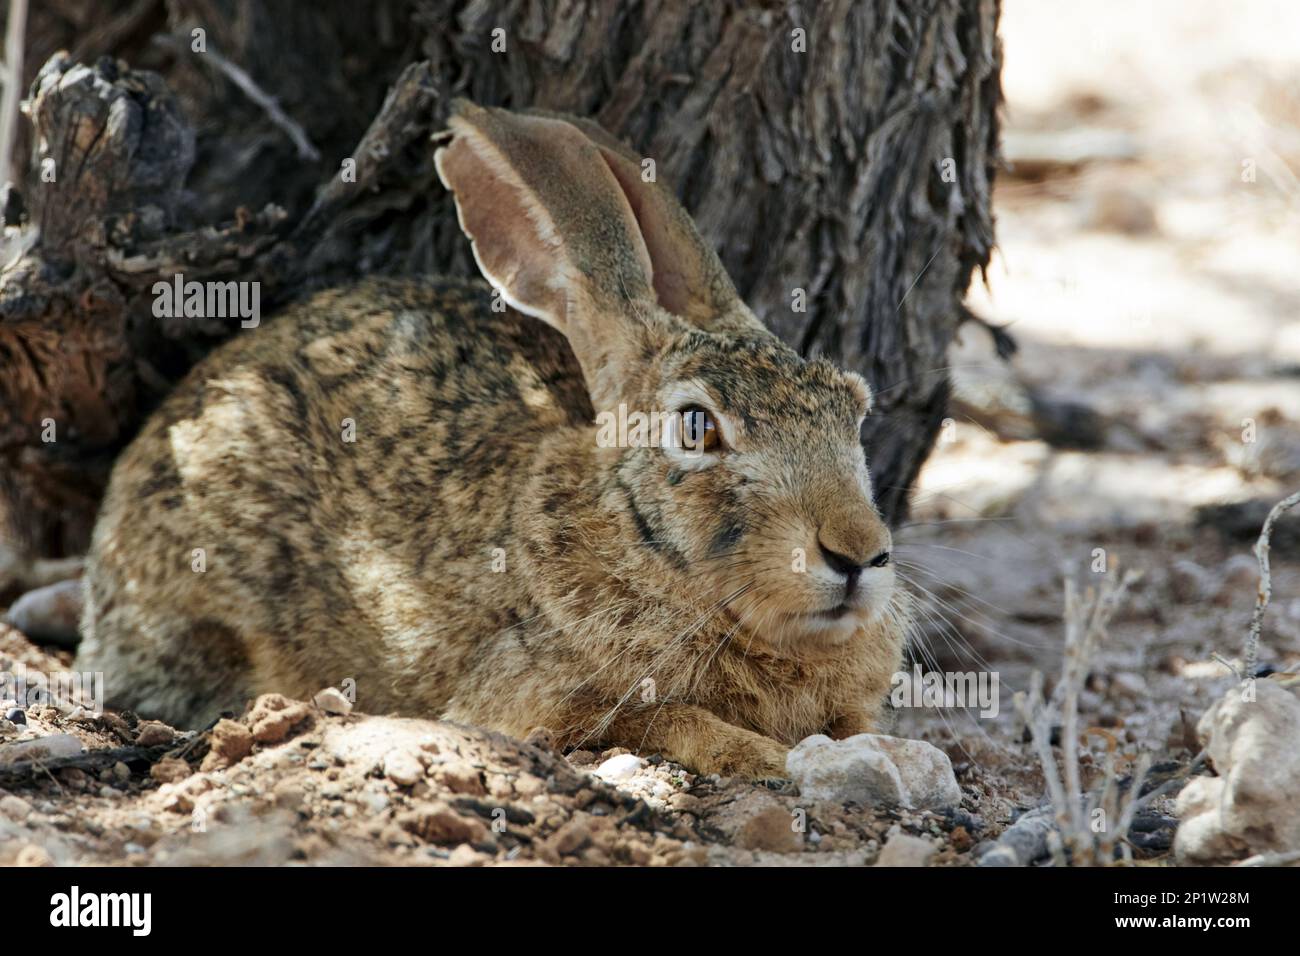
462	509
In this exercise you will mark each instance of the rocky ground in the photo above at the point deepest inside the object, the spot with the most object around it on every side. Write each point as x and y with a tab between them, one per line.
290	781
1148	420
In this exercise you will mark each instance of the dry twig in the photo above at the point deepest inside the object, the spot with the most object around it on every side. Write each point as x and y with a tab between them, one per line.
1265	580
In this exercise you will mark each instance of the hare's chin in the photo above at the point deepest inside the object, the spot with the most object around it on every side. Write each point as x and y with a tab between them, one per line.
826	628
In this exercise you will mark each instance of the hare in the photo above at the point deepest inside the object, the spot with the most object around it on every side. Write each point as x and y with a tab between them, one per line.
399	484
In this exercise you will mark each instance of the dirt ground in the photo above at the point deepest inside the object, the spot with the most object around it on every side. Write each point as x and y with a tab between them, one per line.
1147	269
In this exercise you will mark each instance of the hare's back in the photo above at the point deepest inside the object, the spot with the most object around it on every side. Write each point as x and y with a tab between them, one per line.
391	418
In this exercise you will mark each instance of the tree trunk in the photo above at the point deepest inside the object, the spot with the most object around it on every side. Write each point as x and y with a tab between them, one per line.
839	155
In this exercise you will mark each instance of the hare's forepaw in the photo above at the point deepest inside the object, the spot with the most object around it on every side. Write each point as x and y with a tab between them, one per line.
752	757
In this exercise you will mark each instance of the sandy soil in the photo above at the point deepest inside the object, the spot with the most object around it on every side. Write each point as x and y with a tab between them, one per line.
1147	269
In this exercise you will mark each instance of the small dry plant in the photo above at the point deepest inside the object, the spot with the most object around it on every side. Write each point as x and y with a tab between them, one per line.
1087	826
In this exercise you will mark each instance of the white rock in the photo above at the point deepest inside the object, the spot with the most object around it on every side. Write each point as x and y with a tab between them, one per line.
873	769
403	767
1250	807
332	701
902	849
44	748
619	768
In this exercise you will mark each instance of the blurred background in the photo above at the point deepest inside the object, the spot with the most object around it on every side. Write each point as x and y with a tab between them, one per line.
1148	267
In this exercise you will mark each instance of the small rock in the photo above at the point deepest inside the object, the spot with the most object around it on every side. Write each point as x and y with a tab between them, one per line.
121	772
403	767
74	778
529	786
15	715
50	614
461	779
273	716
904	850
175	798
443	825
619	768
465	855
571	837
1250	807
15	808
169	770
961	839
153	733
332	701
770	829
685	802
33	855
229	743
874	769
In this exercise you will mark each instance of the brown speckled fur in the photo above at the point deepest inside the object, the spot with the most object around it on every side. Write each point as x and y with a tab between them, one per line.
373	560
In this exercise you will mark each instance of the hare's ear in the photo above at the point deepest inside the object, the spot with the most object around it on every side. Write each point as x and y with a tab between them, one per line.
688	277
552	230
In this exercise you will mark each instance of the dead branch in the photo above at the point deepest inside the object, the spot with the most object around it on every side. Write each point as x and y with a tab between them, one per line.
15	30
1265	593
248	86
27	772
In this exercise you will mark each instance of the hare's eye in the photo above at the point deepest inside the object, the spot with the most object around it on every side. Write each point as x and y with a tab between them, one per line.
699	430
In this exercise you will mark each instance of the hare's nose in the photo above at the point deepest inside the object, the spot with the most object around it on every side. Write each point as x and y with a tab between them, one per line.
840	563
847	566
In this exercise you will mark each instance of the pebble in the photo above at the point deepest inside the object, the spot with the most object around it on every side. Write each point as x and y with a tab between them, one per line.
33	855
332	701
443	825
153	733
904	850
619	768
466	855
461	779
167	770
571	837
770	829
403	767
15	808
230	742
